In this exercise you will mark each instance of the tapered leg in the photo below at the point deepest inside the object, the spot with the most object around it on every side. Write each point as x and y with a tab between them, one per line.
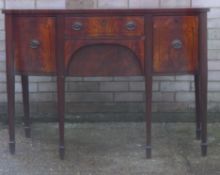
203	113
25	93
10	81
11	108
198	110
203	69
203	110
148	85
148	81
61	111
60	80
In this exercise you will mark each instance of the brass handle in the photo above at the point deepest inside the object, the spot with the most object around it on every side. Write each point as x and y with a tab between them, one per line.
131	25
77	26
34	44
177	44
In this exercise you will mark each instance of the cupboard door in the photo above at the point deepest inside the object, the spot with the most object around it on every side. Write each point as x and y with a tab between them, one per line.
35	44
175	44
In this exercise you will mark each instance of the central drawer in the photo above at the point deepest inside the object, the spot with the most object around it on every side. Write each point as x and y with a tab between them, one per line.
104	26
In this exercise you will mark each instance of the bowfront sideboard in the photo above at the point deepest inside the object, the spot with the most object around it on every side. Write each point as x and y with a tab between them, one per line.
120	42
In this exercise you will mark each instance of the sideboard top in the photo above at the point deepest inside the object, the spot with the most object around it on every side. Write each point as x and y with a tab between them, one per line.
104	11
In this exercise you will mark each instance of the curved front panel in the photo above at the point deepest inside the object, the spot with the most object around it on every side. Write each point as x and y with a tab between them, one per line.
104	60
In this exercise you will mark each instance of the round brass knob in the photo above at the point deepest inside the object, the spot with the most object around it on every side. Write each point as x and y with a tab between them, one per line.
34	44
177	44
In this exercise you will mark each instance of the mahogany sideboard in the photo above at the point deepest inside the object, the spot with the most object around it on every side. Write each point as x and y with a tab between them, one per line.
119	42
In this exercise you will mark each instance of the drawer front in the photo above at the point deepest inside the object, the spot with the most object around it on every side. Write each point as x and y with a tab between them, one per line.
104	26
35	44
175	44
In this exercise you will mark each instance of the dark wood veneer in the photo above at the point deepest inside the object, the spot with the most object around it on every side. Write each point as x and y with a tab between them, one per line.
120	42
28	30
168	29
104	26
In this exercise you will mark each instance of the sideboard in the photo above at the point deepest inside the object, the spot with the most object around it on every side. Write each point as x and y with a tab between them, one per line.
119	42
